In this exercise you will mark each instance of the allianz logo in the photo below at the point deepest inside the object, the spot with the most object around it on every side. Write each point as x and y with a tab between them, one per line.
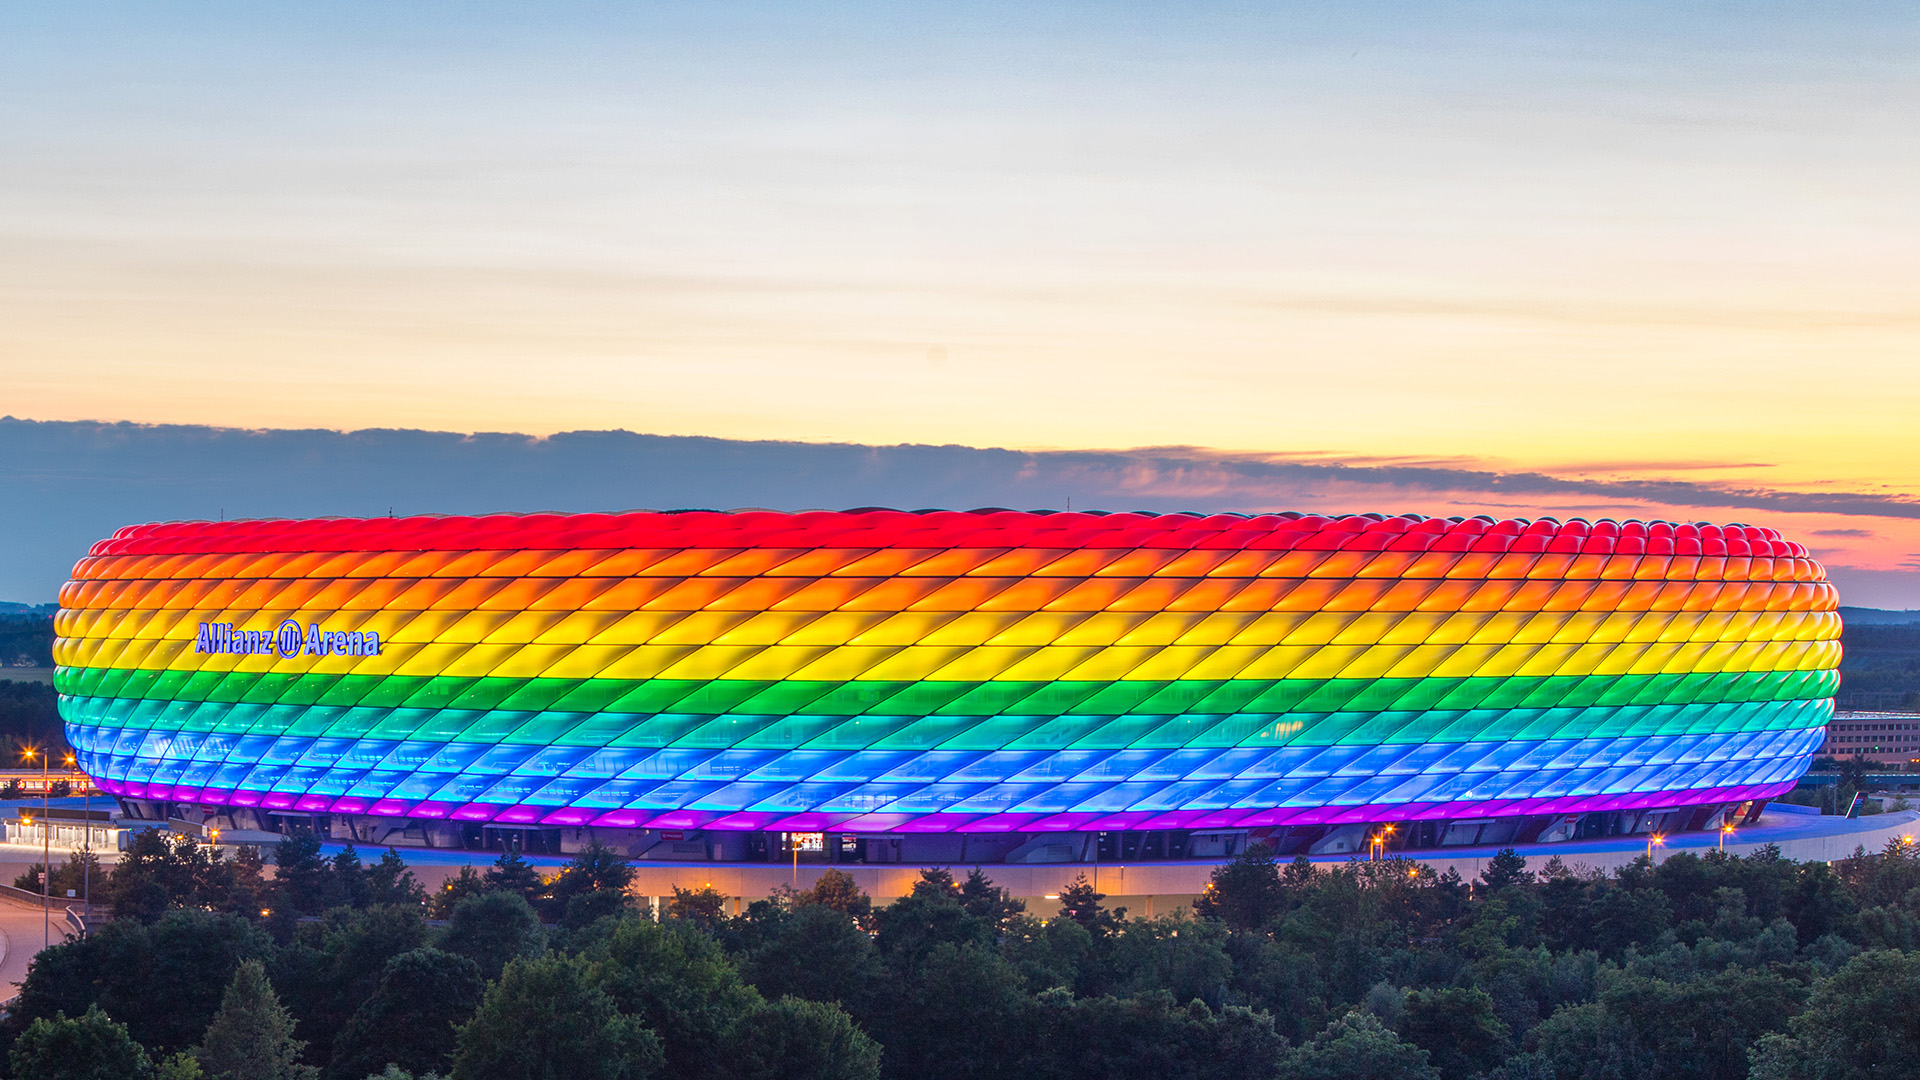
286	641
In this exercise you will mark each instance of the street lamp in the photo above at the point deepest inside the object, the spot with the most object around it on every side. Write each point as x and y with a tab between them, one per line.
1653	840
1725	828
86	840
46	853
1378	844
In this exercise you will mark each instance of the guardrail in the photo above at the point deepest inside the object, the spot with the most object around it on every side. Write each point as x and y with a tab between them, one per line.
28	896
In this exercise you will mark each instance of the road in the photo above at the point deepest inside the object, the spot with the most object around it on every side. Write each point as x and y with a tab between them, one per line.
21	933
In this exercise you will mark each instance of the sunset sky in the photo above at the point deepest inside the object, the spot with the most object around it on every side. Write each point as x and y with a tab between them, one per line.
1611	242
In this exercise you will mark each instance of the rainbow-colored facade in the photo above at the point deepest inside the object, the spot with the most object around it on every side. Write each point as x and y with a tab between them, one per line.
879	671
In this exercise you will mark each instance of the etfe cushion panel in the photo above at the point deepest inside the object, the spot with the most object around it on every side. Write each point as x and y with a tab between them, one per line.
879	670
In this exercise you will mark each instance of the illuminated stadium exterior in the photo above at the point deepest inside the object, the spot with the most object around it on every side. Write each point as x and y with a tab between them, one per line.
1002	677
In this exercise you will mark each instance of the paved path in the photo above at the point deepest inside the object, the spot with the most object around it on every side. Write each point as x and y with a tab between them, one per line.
21	935
1805	837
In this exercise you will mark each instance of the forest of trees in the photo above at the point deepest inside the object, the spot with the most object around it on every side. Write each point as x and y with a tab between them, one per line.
29	713
29	717
26	639
332	969
1881	666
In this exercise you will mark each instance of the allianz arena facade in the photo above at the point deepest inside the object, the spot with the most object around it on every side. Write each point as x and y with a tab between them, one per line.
947	685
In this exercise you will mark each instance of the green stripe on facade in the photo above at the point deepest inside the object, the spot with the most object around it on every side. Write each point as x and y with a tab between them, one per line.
861	697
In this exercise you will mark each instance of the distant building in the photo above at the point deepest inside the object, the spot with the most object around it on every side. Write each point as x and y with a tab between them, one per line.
1886	737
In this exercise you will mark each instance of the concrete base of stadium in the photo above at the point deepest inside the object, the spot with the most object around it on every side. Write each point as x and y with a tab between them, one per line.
652	846
1157	888
1162	886
1144	887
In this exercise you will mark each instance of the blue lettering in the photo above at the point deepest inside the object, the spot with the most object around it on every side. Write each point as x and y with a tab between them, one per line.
288	641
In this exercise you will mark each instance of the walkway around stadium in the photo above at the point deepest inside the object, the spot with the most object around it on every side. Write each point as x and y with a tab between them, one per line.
1146	888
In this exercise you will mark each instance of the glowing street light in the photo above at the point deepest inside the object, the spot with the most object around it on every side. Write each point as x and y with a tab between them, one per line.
1725	828
86	843
46	852
1377	848
1653	840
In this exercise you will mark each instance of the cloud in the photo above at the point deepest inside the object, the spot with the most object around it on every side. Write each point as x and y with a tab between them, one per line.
77	481
1841	533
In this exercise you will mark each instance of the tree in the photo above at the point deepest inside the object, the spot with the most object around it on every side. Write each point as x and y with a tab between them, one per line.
91	1047
1621	915
1080	903
546	1020
792	1039
936	879
1817	902
80	869
985	900
1048	955
702	907
510	873
1246	892
389	881
595	866
179	1067
961	1012
300	875
410	1018
347	883
1699	1028
192	954
593	886
453	890
1176	954
335	965
1852	778
1149	1038
163	871
1583	1041
251	1037
1863	1022
1357	1047
1459	1028
1506	869
812	952
836	890
493	929
676	980
931	915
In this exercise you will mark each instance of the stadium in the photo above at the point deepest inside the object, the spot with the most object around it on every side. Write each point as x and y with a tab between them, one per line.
957	686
